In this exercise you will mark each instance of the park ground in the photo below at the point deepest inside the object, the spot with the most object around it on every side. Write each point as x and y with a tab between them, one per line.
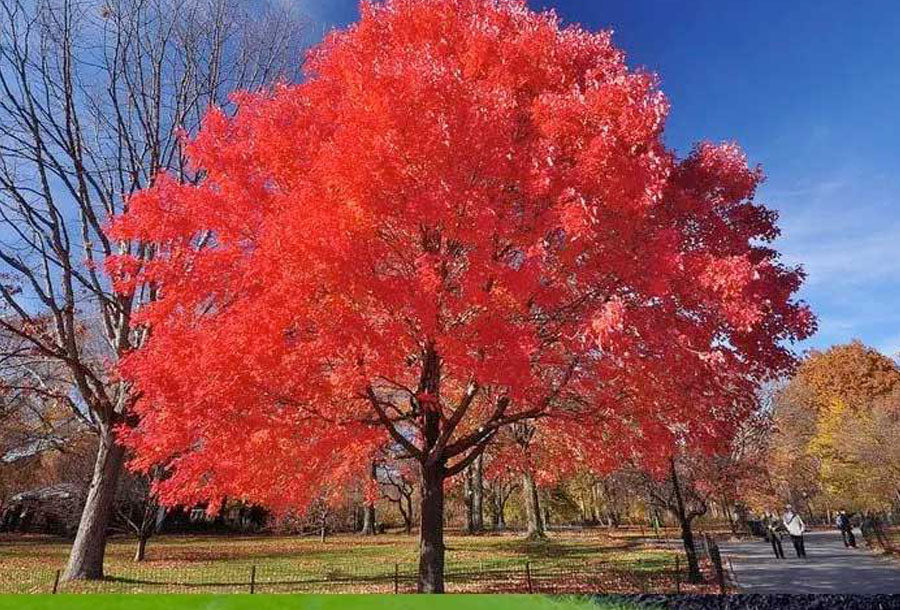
588	561
318	602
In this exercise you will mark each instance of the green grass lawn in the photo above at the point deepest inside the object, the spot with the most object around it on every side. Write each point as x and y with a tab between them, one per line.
589	561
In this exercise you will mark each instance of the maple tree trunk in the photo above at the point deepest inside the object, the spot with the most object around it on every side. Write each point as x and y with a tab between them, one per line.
687	535
86	557
535	528
687	538
431	551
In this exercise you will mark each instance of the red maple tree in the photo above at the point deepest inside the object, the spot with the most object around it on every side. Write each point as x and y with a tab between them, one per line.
464	218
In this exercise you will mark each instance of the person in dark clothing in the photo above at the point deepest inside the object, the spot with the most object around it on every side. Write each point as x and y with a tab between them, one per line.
844	524
773	532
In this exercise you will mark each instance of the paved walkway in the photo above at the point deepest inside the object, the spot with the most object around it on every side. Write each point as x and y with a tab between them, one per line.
828	567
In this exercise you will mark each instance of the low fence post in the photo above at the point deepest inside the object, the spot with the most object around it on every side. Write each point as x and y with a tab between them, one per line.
528	577
252	580
396	578
56	582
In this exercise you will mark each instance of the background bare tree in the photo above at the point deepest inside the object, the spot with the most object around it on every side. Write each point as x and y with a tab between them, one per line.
137	509
93	97
398	486
500	487
43	440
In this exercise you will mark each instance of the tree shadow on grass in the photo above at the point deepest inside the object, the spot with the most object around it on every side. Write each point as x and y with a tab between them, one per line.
550	548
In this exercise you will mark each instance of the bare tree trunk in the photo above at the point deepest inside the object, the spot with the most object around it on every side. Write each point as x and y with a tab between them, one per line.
431	553
477	496
498	515
368	528
144	534
141	552
533	522
409	513
86	557
468	499
494	509
732	523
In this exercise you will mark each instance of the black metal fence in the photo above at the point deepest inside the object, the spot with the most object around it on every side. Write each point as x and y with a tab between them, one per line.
528	577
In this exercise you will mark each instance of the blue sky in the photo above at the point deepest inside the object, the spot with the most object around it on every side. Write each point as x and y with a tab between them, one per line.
811	90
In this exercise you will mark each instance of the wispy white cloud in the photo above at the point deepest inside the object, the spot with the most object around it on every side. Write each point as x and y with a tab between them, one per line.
844	229
849	260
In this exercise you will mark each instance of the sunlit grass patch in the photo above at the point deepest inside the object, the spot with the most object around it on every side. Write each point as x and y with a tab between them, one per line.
577	561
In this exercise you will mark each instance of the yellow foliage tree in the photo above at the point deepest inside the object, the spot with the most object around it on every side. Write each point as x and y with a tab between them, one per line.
838	419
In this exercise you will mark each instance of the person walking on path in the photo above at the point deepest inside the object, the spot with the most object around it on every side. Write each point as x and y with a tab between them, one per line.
846	527
795	528
773	529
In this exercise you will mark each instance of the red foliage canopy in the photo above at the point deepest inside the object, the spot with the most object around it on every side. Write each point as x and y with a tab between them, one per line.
462	179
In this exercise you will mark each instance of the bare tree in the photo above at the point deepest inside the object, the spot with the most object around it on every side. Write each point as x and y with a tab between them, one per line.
93	98
500	487
398	486
36	411
138	510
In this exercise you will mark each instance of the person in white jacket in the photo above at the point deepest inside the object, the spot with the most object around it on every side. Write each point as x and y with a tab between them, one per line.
795	528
